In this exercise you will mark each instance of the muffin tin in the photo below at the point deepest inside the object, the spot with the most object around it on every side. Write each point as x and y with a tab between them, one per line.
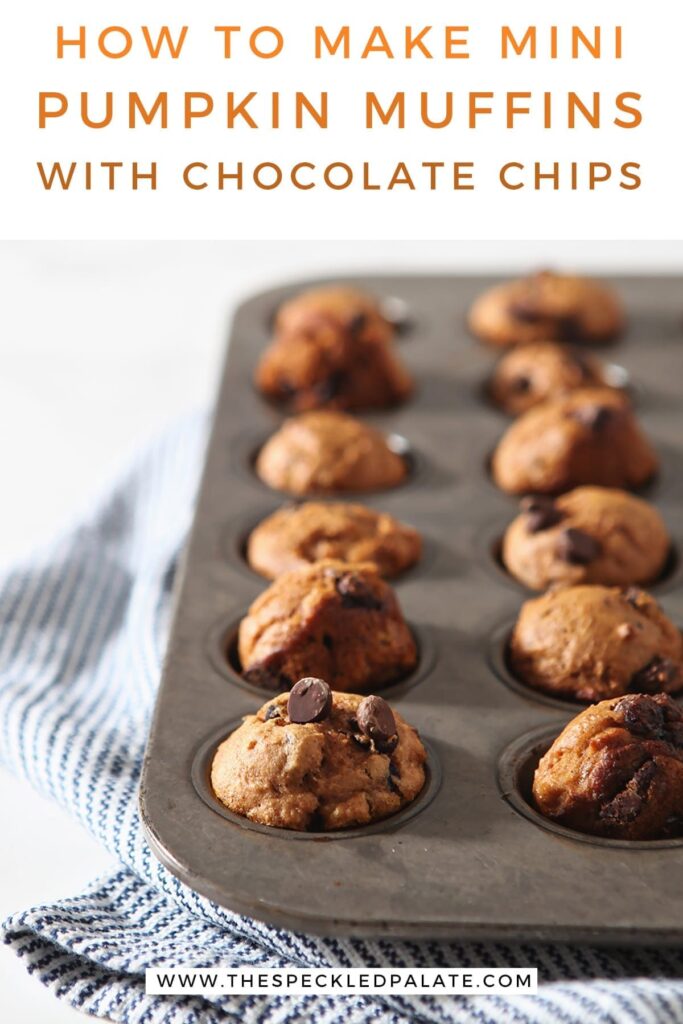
470	858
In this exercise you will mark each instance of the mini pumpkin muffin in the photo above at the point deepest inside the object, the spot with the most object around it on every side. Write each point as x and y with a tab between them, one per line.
547	307
617	770
587	437
534	373
333	348
589	535
589	643
318	760
297	535
331	619
322	452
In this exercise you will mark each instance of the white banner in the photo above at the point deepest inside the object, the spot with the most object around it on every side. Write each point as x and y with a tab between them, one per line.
344	981
396	119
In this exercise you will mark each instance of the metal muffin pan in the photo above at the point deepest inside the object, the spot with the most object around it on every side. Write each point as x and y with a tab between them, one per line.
473	860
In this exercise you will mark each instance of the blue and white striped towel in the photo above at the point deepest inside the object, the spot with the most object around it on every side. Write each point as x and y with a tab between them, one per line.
83	629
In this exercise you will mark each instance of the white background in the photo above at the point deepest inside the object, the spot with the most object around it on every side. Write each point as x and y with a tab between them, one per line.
651	65
100	346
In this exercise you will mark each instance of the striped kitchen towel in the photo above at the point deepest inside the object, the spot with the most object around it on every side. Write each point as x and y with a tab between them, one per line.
82	633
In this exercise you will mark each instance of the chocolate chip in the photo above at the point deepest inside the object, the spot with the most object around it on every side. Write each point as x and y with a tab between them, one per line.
310	700
672	711
613	768
642	715
569	328
376	720
357	324
353	731
356	593
272	711
627	805
577	547
316	822
674	720
286	388
595	417
521	385
536	522
541	513
362	741
328	642
655	676
536	503
526	309
391	775
330	387
267	678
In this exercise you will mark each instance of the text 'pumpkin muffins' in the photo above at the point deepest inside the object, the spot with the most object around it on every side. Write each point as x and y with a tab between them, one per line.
588	437
339	621
295	536
319	760
332	348
547	307
592	642
589	535
617	770
326	452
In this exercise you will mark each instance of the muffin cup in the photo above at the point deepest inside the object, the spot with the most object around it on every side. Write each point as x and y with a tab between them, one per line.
201	779
516	767
221	647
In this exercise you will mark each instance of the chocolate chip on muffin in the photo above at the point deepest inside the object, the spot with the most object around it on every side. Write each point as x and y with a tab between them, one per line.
589	535
576	547
295	536
617	770
310	700
303	767
332	348
333	620
547	307
588	437
326	452
534	373
540	513
589	643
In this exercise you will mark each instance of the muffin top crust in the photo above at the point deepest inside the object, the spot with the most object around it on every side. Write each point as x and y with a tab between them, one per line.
590	642
547	307
332	348
297	535
589	535
331	619
319	760
590	436
616	770
531	374
325	452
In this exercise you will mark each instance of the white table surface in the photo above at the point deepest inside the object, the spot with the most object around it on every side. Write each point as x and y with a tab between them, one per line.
100	345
